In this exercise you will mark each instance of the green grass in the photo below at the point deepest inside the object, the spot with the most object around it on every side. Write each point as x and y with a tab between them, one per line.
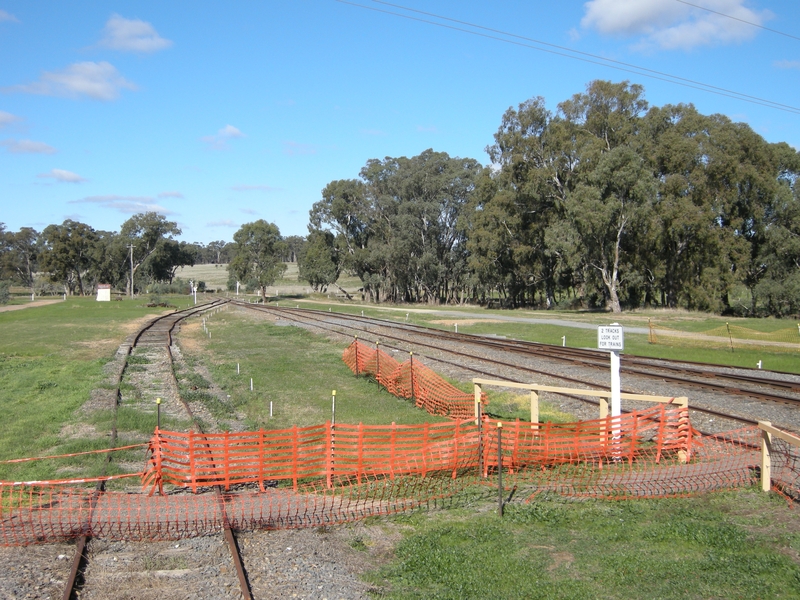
297	371
731	545
51	358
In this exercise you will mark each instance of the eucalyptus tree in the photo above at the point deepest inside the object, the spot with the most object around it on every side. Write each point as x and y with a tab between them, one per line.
142	235
398	227
20	255
67	254
258	255
318	261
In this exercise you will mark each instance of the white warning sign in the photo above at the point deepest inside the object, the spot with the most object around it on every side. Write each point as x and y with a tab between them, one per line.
610	337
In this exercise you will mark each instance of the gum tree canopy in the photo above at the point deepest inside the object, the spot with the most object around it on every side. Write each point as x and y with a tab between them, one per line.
258	255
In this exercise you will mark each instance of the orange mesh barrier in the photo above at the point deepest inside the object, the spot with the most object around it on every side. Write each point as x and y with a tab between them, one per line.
194	460
347	472
785	468
410	379
45	514
720	462
651	434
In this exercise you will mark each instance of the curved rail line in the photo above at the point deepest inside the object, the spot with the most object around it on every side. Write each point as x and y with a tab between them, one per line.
157	332
358	324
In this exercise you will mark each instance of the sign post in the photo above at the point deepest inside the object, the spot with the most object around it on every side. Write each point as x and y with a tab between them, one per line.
612	338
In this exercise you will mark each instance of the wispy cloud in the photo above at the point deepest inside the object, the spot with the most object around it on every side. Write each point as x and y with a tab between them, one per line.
221	223
787	64
27	147
5	16
295	148
100	81
6	118
63	176
671	25
249	211
252	188
170	195
219	141
126	204
132	35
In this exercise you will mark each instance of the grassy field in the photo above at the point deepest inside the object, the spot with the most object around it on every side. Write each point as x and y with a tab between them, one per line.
724	545
298	371
51	358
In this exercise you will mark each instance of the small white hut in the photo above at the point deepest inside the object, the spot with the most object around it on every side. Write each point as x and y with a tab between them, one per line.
104	292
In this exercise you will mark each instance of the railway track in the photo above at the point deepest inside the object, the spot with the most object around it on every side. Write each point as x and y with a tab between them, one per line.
157	336
533	360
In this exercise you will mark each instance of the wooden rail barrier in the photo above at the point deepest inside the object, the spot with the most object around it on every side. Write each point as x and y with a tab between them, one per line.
478	382
789	476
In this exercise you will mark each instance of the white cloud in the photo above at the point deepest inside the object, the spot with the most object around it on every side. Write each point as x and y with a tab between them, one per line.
787	64
250	188
27	147
5	16
295	148
126	204
62	175
170	195
132	35
100	81
6	118
219	141
671	25
221	223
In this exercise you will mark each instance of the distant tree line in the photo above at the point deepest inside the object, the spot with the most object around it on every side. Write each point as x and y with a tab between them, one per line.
604	203
72	257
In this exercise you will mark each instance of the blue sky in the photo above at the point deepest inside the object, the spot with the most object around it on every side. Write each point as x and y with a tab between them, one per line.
217	114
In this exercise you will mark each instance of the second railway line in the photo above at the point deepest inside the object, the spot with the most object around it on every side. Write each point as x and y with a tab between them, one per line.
721	397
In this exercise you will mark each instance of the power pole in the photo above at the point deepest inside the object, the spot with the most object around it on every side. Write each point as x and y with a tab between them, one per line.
131	289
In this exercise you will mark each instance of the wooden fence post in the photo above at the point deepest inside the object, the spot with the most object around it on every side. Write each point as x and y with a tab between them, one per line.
534	410
766	463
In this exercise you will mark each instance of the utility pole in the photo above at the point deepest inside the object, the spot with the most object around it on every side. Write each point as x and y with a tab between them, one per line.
131	290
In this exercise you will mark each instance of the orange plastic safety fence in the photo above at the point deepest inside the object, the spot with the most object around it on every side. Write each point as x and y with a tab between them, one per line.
785	467
324	475
657	433
195	460
410	379
43	514
721	462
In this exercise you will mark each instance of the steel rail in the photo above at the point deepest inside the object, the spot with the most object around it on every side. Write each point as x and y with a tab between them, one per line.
162	327
298	318
579	357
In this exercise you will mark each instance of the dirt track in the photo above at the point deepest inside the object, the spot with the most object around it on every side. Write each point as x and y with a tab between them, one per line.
28	305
